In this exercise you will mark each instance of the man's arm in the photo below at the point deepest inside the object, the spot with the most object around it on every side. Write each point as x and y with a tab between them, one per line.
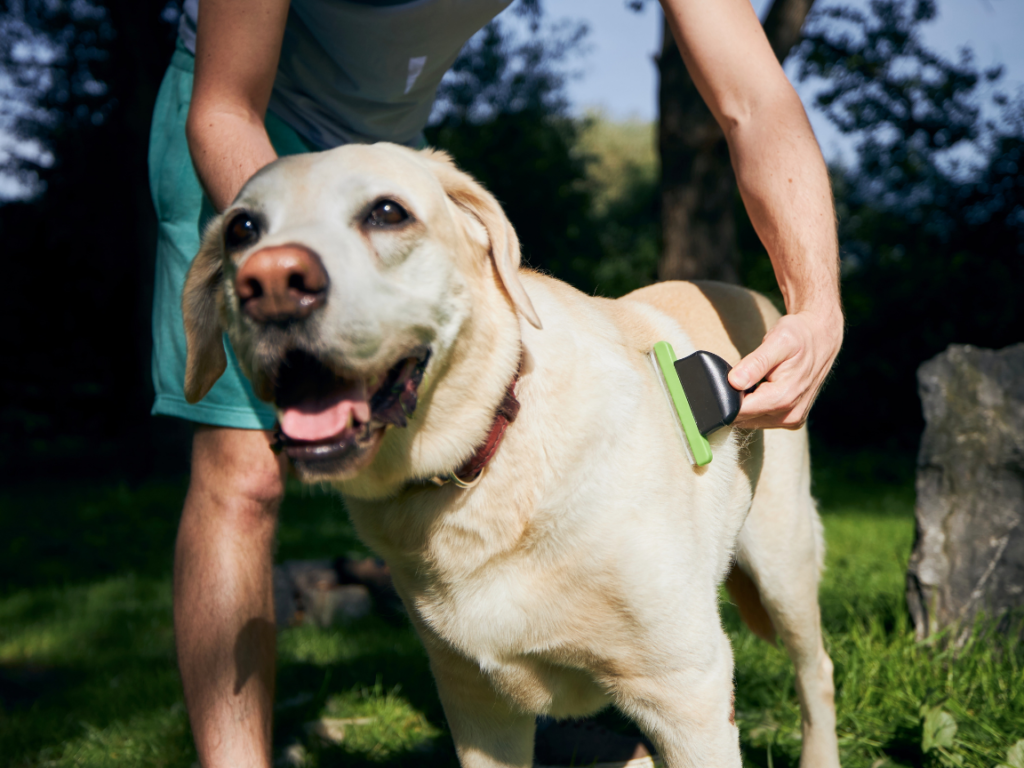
238	45
784	184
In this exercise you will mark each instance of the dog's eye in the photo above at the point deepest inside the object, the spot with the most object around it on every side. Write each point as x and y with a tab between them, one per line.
242	230
387	213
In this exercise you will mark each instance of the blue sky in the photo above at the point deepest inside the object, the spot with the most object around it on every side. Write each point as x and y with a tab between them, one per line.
619	73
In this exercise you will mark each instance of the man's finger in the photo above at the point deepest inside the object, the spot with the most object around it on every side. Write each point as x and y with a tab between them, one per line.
769	412
776	348
768	399
773	422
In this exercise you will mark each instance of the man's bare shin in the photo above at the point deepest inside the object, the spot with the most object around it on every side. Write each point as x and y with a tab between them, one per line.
223	598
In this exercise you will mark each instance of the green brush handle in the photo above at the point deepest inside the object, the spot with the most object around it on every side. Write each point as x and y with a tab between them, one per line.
665	358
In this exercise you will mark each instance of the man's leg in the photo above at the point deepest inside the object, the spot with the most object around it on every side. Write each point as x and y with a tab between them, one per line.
223	599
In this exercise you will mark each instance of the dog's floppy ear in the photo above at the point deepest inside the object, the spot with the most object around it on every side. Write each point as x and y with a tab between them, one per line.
471	197
200	309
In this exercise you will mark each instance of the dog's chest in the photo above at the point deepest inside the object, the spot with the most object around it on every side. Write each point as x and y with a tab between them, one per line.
524	645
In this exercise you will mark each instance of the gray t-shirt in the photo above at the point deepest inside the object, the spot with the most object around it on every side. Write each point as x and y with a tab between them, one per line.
364	71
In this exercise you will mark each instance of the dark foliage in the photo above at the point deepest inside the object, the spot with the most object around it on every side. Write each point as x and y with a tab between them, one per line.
910	107
629	233
502	115
78	256
931	217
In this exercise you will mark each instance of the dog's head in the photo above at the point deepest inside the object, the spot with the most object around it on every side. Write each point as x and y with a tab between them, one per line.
342	278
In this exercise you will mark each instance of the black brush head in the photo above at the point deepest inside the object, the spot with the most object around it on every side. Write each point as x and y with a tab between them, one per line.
705	380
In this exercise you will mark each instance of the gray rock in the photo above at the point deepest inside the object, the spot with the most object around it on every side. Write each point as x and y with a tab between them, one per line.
308	592
337	605
285	606
968	555
293	756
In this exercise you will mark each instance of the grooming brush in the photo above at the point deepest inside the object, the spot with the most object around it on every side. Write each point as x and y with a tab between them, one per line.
698	388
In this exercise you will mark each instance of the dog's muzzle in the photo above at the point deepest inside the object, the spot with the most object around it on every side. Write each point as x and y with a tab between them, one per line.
331	423
331	417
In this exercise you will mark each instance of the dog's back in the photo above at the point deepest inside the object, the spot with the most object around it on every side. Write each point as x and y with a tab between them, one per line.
725	319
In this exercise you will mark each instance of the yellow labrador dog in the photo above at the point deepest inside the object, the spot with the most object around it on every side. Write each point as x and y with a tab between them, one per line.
502	441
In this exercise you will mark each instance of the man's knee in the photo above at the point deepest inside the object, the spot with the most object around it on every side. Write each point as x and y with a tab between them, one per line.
235	470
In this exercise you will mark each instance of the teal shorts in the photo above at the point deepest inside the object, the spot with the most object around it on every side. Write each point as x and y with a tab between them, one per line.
182	209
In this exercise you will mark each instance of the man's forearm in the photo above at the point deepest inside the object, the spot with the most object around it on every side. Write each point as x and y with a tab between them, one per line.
784	184
227	149
238	45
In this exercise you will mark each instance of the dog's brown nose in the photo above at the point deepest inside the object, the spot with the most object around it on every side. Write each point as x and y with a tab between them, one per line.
286	282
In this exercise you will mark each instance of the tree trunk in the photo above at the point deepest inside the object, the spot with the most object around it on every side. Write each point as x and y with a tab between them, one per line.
697	227
697	183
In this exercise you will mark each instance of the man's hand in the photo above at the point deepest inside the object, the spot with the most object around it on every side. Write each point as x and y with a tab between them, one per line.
792	363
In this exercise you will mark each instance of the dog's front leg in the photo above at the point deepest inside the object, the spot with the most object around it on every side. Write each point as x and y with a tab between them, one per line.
687	711
488	731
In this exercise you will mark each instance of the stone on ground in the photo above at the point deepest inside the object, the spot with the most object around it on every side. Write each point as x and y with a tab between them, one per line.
968	557
309	592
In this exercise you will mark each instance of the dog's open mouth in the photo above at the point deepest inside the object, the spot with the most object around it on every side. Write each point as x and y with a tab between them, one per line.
332	424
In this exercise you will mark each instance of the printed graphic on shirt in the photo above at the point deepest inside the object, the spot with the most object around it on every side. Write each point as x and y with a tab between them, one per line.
416	64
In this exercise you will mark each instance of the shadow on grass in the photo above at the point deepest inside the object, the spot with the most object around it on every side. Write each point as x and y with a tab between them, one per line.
367	654
87	665
64	535
96	669
375	668
61	535
23	685
904	746
769	756
85	660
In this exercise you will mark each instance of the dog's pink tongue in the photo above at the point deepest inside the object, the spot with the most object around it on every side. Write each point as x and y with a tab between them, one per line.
327	417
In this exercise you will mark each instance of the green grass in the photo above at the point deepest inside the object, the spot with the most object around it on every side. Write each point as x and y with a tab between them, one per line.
886	682
87	674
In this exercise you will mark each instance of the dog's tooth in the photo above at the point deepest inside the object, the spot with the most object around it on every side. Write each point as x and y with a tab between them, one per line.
391	415
408	400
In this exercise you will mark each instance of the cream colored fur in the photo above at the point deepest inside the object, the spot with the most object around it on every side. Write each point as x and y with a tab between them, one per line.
584	568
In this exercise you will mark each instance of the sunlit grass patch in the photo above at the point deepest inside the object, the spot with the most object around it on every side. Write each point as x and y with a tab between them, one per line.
86	623
890	690
378	726
158	738
373	672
